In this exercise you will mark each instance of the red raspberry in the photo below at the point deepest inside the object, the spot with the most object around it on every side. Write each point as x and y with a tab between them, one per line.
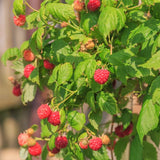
122	133
61	142
19	20
28	55
78	5
54	150
44	111
17	90
95	143
35	150
23	139
48	65
28	69
83	144
101	76
93	5
54	118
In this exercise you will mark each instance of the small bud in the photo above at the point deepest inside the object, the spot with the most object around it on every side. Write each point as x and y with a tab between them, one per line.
31	142
105	139
30	131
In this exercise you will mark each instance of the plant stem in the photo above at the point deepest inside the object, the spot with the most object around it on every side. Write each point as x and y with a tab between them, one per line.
30	6
73	92
41	139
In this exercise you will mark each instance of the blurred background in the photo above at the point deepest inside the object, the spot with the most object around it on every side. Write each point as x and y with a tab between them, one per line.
14	117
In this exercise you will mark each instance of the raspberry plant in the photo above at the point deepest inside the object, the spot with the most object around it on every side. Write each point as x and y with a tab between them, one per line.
100	53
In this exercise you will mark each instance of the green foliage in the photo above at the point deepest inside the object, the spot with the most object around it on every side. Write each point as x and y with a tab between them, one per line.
122	37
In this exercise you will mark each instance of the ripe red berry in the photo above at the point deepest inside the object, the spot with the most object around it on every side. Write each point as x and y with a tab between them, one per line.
28	69
101	76
17	90
93	5
35	150
54	118
122	133
95	143
78	5
23	139
28	55
19	20
54	150
48	65
61	142
83	144
44	111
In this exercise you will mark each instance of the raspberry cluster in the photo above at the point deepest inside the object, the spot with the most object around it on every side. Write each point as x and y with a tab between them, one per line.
19	20
93	5
48	65
17	90
53	117
25	140
122	133
78	5
28	55
28	70
101	76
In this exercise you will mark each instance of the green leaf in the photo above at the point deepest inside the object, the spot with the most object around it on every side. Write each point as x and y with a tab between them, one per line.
91	67
145	31
29	92
65	73
78	152
59	50
45	132
120	147
148	118
31	20
111	19
76	120
51	142
82	136
34	76
107	102
10	54
91	99
88	20
54	75
34	127
95	118
81	67
155	136
23	153
24	46
149	2
149	151
61	11
136	149
120	57
62	116
18	7
153	62
101	154
18	66
44	152
39	35
154	90
137	15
